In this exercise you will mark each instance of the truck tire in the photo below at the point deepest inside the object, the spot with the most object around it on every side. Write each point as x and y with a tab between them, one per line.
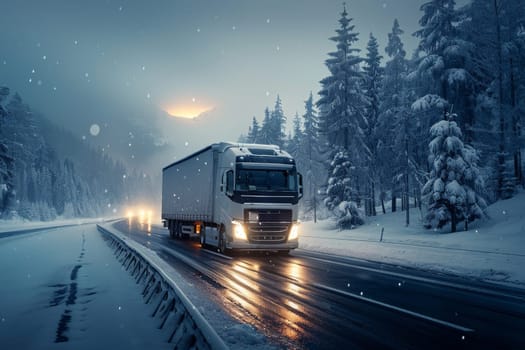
178	230
171	229
222	242
203	239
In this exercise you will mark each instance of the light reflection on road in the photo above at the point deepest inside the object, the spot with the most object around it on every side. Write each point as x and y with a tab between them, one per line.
264	299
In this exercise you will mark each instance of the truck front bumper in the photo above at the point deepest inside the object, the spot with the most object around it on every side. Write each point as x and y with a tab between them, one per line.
243	245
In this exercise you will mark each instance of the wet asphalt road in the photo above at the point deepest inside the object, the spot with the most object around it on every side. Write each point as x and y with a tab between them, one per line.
309	300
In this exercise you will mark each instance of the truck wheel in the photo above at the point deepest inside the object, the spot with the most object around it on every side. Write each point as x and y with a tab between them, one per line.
203	239
222	243
171	229
178	230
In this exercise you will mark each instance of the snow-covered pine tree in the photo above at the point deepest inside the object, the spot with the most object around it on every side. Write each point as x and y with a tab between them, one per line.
315	172
373	79
340	191
6	163
265	133
453	190
343	103
295	140
253	134
496	29
390	133
278	124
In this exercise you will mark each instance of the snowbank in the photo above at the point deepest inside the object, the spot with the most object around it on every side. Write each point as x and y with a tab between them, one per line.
493	250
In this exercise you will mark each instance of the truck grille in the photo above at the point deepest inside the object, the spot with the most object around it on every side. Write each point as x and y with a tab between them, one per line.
267	226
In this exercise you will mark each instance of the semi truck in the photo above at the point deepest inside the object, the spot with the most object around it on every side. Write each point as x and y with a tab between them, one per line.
234	197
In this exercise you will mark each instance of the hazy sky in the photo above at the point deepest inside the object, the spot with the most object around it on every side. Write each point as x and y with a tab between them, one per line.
103	61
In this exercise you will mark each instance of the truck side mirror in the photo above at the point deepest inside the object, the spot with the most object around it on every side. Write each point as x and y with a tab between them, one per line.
300	181
229	183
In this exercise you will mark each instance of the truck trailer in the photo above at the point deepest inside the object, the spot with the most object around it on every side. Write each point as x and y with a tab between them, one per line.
234	197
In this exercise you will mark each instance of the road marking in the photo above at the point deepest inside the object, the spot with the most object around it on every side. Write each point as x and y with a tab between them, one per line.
216	254
395	308
420	279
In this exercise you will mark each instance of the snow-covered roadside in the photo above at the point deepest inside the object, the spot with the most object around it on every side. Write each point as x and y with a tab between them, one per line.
65	286
21	225
493	250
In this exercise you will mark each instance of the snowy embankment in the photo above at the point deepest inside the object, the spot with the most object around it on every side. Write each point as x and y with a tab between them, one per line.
492	250
24	225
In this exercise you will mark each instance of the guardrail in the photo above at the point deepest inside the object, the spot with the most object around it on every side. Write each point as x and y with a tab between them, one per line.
171	309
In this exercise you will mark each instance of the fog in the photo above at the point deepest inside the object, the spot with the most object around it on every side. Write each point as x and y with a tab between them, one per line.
123	64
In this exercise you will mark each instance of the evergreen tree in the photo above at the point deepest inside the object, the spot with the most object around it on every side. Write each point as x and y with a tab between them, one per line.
278	124
314	171
392	135
6	163
265	134
341	191
444	68
253	134
373	78
452	192
342	104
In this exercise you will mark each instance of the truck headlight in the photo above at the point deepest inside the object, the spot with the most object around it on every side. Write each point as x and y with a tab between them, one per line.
294	232
238	231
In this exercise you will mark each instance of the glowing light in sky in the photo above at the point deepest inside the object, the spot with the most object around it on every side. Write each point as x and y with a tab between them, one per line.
187	110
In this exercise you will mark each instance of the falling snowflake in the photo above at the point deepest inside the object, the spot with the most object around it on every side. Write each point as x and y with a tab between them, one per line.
105	190
119	308
83	137
198	30
86	75
361	293
5	62
186	143
148	95
54	88
39	82
278	48
120	9
267	20
30	80
124	176
44	57
76	42
129	144
267	93
193	99
94	129
234	27
143	68
109	205
114	210
33	71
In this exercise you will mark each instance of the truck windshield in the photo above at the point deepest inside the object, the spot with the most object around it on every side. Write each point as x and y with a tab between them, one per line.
266	180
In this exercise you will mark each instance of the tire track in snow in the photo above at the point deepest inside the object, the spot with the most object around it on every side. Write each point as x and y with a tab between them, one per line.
71	300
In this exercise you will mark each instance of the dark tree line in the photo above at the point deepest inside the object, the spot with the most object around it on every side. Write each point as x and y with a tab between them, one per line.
46	172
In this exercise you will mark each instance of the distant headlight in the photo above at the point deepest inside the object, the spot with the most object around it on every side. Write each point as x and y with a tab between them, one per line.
294	232
238	231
